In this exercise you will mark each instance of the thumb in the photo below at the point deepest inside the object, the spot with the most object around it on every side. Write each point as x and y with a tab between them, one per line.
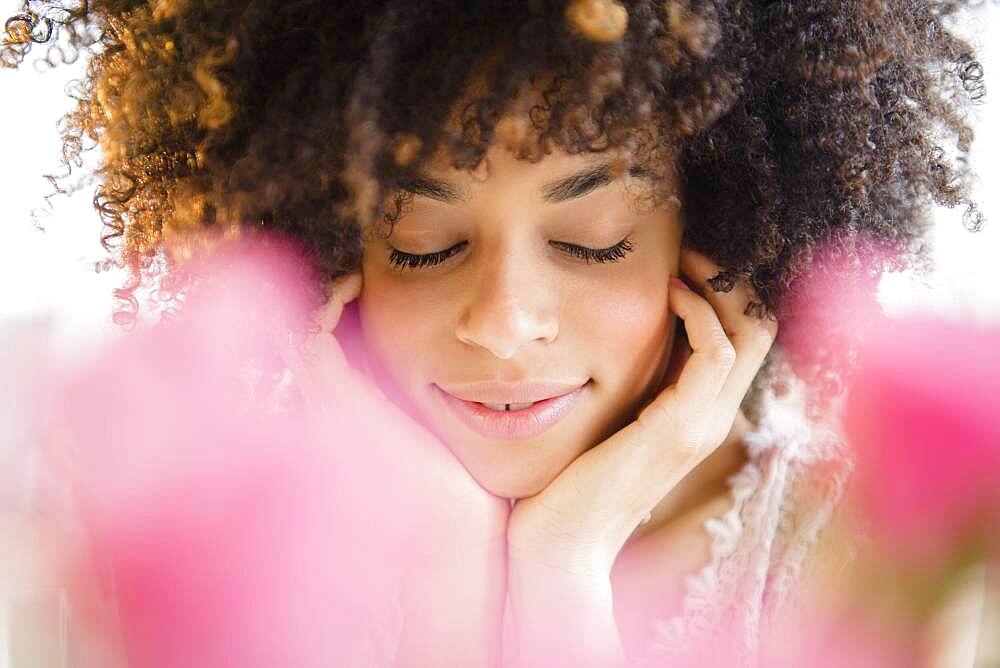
318	362
322	349
343	290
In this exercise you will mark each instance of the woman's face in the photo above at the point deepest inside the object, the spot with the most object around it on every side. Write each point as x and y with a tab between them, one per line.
511	304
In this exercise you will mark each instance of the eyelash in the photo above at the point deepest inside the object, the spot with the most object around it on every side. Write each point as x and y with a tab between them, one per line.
613	254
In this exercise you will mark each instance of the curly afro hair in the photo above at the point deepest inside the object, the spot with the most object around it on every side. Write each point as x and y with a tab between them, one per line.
794	125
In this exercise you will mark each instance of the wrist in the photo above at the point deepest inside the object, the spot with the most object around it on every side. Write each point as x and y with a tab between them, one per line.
561	615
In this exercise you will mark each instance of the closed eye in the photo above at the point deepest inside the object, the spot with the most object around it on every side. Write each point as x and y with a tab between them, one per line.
404	260
613	253
610	254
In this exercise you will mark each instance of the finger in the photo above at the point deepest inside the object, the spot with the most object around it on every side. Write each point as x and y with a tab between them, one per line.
318	363
343	290
697	269
705	371
323	346
318	369
751	337
642	462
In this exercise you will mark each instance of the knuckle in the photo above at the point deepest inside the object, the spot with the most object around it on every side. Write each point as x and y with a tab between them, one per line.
766	329
765	346
723	352
762	338
757	337
690	439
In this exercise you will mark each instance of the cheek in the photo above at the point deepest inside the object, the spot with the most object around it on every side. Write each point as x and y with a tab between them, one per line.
628	312
400	323
629	342
628	320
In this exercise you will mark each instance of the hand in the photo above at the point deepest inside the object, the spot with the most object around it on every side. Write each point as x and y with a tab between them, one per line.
581	520
563	542
452	556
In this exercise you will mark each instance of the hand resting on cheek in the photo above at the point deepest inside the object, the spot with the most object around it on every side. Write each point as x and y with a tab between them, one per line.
453	531
465	545
563	541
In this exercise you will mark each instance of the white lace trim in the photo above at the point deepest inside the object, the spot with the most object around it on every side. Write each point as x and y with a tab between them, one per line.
781	500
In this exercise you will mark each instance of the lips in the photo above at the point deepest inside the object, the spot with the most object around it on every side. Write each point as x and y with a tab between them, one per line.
508	407
514	424
511	393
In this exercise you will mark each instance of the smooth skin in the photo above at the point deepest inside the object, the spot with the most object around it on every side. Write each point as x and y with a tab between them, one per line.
556	549
453	570
562	543
514	303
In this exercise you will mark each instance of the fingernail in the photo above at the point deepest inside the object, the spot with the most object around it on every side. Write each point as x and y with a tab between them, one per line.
678	283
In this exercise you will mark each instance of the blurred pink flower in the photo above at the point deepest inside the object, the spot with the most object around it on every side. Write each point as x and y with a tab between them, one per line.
921	414
920	408
816	636
236	537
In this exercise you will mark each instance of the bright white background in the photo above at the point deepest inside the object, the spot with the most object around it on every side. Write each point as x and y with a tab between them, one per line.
50	275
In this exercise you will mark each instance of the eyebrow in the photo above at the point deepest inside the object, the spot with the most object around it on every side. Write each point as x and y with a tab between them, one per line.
426	186
577	185
561	190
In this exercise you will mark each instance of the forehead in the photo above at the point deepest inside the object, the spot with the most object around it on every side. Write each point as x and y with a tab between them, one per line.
502	180
556	178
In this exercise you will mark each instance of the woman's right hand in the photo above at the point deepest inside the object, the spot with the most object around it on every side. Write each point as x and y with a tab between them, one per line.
452	555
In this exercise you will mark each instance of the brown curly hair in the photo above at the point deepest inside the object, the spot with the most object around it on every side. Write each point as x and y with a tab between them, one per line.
794	125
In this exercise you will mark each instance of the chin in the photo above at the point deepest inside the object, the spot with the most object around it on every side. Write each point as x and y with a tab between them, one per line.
507	490
514	483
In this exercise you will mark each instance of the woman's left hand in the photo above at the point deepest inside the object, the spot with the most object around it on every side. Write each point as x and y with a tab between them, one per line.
581	520
563	541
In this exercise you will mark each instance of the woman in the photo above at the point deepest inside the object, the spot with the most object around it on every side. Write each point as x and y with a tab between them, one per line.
509	191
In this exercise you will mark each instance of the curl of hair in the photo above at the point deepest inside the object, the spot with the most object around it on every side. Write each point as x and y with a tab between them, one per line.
792	125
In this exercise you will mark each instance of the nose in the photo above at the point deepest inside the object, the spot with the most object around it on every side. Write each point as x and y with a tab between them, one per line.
507	307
